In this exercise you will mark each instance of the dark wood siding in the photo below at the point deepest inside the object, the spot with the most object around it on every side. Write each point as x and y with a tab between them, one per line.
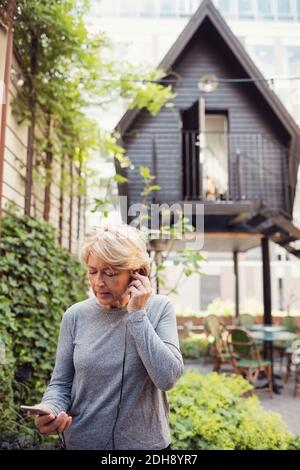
254	131
161	134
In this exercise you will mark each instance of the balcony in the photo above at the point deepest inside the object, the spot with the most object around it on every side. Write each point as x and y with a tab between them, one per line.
225	168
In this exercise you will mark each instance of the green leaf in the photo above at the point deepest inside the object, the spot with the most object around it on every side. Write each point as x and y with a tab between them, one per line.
145	172
119	178
154	188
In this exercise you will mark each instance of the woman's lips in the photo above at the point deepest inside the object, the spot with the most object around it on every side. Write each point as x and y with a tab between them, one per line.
103	293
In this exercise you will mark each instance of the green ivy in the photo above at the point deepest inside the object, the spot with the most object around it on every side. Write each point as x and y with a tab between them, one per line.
210	412
38	281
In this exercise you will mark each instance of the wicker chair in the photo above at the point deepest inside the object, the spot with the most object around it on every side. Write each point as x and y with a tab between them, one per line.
246	358
218	345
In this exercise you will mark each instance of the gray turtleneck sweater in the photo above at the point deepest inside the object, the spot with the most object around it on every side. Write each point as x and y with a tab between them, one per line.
86	381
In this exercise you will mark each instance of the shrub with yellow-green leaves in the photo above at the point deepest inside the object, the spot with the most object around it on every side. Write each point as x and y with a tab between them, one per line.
211	412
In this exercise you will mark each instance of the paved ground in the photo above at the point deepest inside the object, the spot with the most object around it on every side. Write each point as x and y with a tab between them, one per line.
285	403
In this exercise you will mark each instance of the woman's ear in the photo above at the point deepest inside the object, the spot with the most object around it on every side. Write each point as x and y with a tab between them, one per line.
141	271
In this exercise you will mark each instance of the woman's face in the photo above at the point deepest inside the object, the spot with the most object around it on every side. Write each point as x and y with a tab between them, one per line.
109	284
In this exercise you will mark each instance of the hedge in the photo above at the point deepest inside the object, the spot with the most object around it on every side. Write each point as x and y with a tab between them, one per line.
38	281
211	412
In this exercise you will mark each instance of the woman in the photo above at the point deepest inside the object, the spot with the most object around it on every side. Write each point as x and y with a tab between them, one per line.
117	354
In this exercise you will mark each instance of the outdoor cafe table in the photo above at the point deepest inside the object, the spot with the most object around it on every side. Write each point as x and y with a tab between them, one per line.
268	334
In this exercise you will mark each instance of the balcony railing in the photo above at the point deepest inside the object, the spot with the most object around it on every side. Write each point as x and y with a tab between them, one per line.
216	167
235	167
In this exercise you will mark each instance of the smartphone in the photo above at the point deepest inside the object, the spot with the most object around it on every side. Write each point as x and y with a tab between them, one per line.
35	410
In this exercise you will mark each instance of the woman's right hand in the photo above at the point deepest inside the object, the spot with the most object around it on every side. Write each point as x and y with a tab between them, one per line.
52	424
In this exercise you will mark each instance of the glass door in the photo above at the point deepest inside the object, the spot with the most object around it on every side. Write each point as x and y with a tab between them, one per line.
215	157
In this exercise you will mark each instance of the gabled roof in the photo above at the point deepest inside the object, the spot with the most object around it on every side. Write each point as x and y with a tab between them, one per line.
208	10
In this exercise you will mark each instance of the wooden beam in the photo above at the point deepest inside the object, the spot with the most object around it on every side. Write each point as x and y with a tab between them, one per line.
232	235
154	164
266	281
32	125
236	278
6	82
48	171
287	225
61	201
71	173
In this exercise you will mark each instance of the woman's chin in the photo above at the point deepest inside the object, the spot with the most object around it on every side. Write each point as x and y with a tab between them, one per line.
104	299
108	301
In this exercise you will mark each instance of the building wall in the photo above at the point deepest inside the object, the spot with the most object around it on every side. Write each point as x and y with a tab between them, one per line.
190	298
142	32
15	168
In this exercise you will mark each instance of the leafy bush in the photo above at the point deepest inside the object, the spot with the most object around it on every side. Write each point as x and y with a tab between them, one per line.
39	280
220	307
210	412
194	346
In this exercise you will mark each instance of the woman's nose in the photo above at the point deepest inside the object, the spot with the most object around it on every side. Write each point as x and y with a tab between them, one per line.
99	280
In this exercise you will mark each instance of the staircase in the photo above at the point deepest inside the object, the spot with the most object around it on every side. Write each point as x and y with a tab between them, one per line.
274	225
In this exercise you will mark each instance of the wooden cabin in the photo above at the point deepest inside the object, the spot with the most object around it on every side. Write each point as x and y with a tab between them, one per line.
228	144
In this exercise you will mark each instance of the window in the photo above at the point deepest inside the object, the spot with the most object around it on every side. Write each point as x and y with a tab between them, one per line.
298	9
186	8
224	6
210	290
215	157
293	56
147	8
264	8
284	10
167	8
245	8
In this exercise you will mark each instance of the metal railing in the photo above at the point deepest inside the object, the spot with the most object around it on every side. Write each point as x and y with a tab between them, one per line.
235	167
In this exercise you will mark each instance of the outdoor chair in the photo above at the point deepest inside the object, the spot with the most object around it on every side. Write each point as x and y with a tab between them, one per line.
217	341
289	353
245	357
290	325
213	325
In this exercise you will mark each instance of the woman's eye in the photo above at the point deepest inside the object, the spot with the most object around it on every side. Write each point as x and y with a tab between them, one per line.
109	274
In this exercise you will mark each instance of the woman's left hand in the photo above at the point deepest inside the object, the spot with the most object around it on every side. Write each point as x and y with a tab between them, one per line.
140	290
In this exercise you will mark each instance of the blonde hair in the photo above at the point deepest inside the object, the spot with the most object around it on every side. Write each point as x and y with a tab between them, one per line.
121	246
